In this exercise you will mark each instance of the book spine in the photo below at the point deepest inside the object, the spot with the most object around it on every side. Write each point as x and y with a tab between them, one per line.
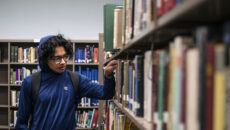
139	87
219	89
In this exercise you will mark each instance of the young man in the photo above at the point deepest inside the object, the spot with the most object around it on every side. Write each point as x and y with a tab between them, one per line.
55	105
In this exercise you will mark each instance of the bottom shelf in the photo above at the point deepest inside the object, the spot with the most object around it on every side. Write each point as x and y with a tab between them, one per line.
140	122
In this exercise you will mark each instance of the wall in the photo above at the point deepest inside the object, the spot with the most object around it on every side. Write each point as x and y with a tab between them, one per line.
33	19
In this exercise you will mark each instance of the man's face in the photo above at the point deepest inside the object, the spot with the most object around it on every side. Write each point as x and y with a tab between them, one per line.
58	62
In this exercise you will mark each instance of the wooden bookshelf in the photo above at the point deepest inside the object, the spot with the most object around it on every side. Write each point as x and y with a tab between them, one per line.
6	86
182	19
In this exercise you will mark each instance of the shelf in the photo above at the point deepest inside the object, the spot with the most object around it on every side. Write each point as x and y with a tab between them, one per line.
92	107
15	85
4	127
3	106
4	63
23	63
85	128
84	41
17	40
141	123
3	84
85	64
75	128
180	20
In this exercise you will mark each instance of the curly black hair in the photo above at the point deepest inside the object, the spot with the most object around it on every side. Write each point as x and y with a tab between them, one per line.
48	48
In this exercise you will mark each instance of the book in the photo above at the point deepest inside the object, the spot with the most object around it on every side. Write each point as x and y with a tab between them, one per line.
226	39
130	88
192	91
95	117
210	67
201	39
161	88
95	55
148	89
125	87
109	26
118	18
219	89
139	86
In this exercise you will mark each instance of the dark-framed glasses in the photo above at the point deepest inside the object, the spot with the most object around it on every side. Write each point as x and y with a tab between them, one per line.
58	59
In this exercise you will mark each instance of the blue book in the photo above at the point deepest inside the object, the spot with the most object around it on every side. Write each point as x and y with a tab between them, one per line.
79	69
87	72
90	75
139	86
76	56
90	115
96	73
93	75
130	87
83	56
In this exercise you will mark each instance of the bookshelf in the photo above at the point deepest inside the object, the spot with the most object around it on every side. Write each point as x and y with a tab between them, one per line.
5	79
182	20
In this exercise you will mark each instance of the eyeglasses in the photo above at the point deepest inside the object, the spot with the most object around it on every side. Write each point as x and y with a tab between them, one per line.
58	59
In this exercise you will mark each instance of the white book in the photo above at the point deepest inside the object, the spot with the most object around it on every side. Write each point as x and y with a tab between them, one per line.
15	117
13	97
148	90
192	94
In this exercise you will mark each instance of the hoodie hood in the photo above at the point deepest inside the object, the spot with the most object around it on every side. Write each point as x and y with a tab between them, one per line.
43	66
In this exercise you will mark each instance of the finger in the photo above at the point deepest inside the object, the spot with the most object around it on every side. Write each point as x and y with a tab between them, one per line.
113	62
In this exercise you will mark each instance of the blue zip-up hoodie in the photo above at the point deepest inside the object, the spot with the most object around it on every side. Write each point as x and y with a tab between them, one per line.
54	108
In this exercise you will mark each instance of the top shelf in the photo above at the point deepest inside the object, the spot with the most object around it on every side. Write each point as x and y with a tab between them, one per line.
181	19
37	41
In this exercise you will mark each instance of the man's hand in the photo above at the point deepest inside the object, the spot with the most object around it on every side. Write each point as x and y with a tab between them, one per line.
110	67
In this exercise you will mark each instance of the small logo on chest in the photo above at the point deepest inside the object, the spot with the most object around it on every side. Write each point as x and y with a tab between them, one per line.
65	88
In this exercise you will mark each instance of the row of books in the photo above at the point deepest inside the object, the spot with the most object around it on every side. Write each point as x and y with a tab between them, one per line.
117	120
184	86
14	98
23	55
123	22
92	74
84	118
17	75
88	54
87	118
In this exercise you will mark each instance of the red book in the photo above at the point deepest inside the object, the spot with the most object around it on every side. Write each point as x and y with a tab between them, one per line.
209	86
160	8
95	50
95	117
169	5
